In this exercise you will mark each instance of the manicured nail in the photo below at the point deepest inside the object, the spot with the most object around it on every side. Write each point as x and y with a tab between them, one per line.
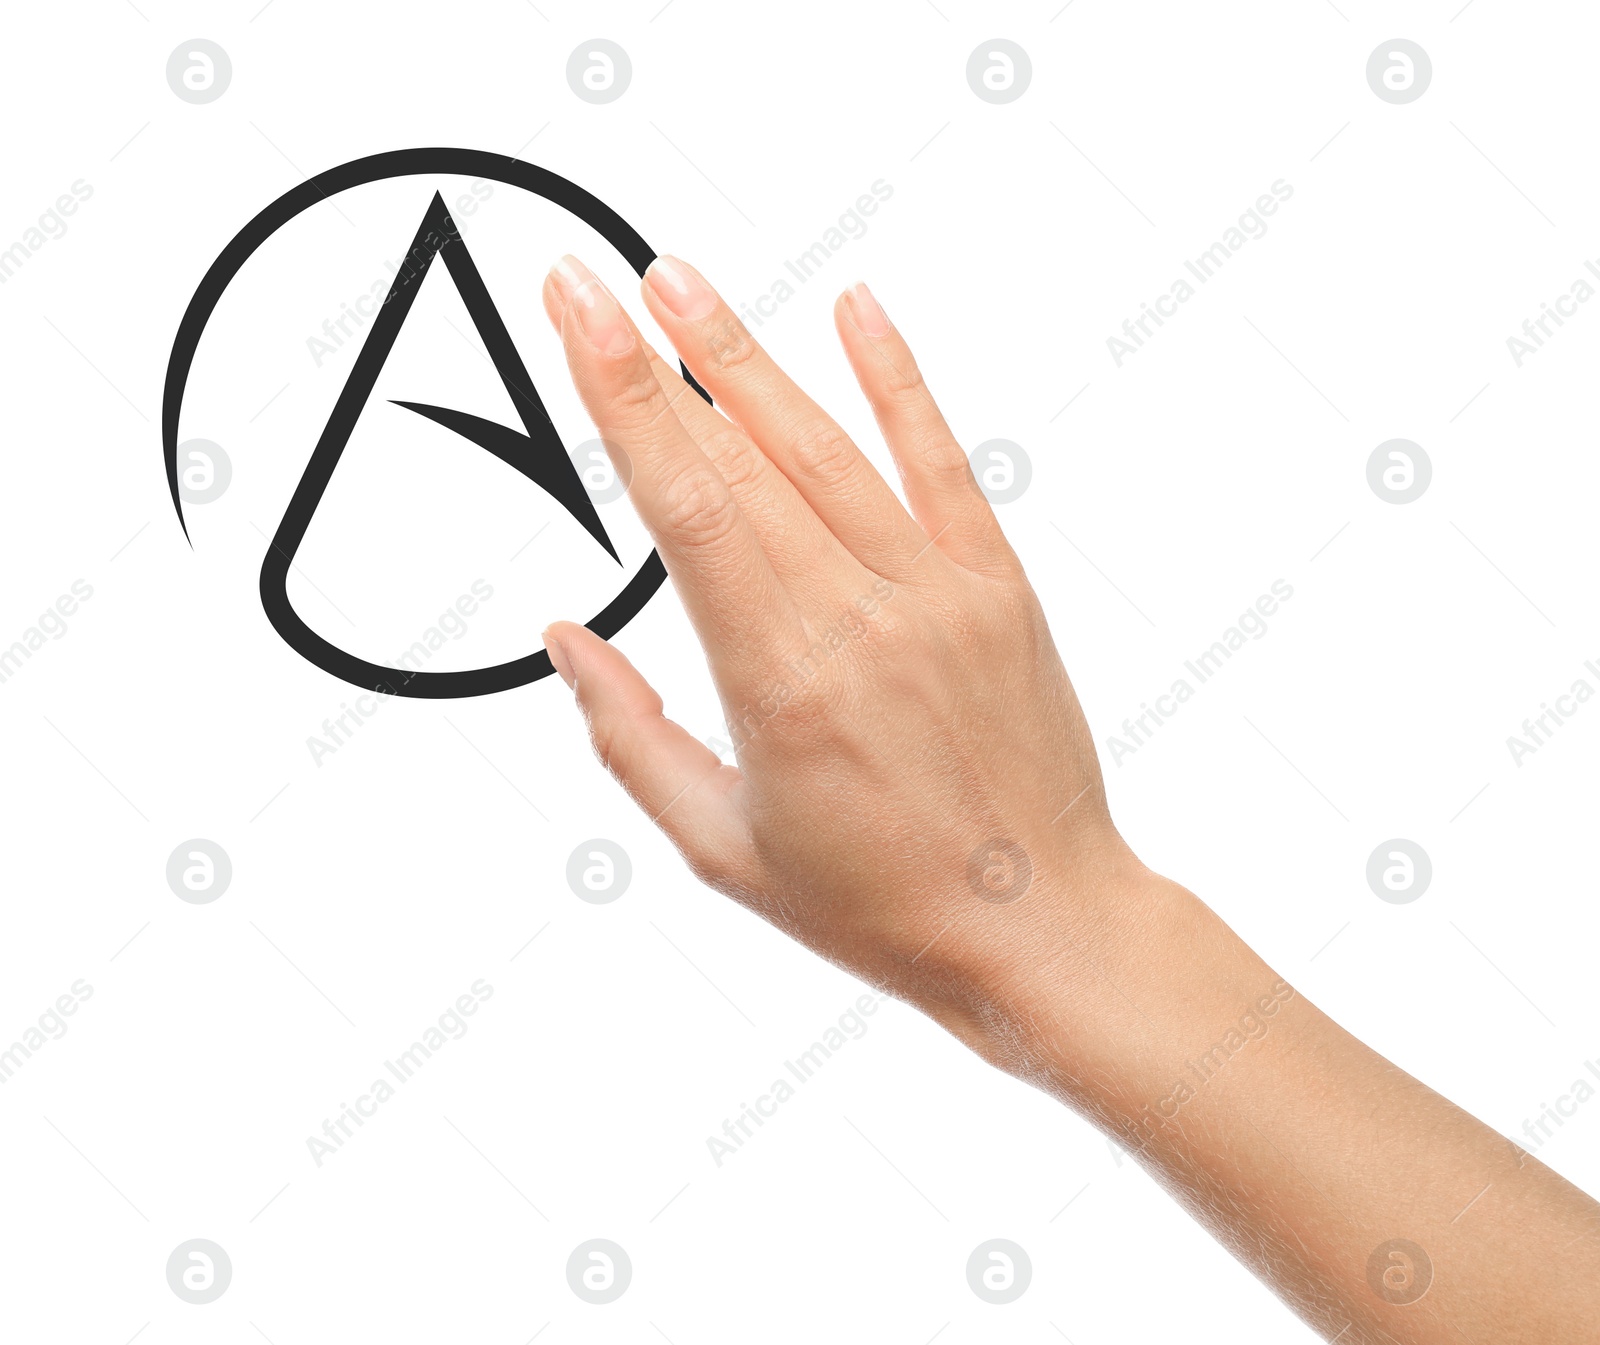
867	311
558	656
601	318
569	273
681	288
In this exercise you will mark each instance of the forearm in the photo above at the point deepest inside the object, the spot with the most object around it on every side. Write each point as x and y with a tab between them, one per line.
1320	1164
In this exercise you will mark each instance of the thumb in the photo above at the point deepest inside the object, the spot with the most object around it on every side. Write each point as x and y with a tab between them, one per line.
679	782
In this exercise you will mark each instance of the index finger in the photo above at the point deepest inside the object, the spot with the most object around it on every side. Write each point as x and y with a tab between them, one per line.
740	610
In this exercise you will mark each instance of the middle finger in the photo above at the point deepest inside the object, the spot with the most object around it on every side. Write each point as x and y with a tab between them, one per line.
805	555
830	472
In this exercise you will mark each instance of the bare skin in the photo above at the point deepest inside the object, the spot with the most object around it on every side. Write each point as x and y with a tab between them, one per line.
918	799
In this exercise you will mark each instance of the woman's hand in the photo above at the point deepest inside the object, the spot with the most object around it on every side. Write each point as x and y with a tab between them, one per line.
917	798
917	795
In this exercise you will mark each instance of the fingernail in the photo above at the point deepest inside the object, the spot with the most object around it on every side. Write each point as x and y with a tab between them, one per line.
601	318
681	288
558	657
569	273
866	310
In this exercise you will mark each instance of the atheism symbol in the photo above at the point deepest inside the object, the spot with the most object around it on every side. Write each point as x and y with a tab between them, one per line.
536	451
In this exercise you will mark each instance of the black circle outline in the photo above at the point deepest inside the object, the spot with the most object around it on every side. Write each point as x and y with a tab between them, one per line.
358	172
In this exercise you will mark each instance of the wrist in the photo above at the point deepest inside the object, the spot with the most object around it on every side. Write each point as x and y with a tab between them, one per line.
1111	999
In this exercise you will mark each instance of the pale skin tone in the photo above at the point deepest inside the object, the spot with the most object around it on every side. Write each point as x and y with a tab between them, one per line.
918	799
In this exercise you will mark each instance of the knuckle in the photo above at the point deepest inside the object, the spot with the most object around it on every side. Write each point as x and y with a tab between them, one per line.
609	745
887	629
736	459
809	689
1006	568
698	508
638	401
866	640
946	465
814	705
824	451
979	617
902	380
729	345
892	636
966	629
1024	618
922	684
1018	605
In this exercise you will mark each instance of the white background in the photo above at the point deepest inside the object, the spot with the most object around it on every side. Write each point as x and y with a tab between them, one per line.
371	890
